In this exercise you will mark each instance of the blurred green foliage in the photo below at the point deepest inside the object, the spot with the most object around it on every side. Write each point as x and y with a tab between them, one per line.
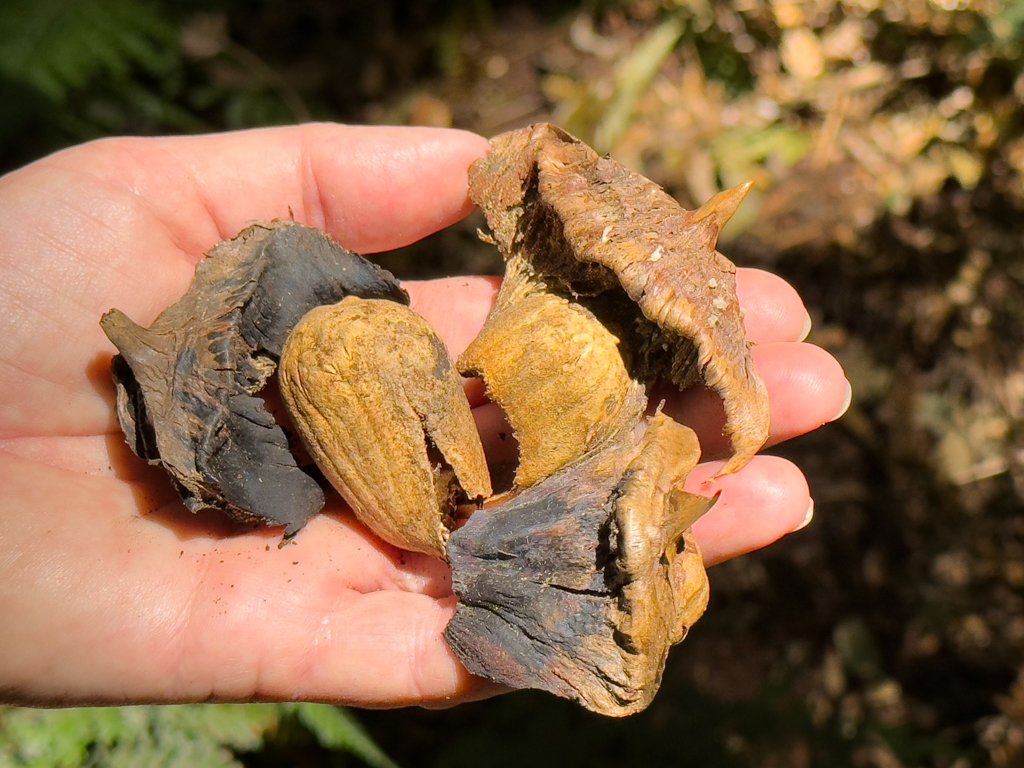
185	736
71	71
55	46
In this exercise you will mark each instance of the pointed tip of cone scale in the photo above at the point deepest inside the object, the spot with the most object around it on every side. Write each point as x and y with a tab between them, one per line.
719	209
116	324
134	342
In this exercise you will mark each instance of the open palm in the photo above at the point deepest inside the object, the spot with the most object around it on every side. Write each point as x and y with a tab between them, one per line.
110	591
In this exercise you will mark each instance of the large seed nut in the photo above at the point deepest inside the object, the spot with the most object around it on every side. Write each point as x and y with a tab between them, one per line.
560	377
380	406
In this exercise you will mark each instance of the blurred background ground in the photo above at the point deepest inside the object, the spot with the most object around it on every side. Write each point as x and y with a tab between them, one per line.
886	140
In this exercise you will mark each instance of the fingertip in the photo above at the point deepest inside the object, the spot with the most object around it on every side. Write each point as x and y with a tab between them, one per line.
807	387
443	681
387	649
455	307
847	401
773	310
380	188
808	517
758	505
438	677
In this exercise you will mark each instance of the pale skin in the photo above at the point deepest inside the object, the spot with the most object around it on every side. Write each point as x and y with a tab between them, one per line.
110	591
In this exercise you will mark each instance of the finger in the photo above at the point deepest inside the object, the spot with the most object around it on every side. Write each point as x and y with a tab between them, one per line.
372	188
326	633
760	504
384	649
773	310
806	388
455	307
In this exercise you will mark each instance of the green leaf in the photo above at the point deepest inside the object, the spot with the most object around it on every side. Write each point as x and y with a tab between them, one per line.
185	736
188	736
336	729
57	738
61	45
238	726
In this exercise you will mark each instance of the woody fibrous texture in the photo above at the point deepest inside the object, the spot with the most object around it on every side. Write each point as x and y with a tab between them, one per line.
379	404
581	583
575	224
610	288
187	386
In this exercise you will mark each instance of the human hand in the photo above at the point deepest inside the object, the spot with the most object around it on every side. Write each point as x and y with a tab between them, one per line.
112	592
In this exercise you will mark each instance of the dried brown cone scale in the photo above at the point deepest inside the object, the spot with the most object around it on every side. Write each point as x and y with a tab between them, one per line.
584	226
580	584
188	385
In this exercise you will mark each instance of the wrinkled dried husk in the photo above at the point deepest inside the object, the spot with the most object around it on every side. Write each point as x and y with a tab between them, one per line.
580	584
186	385
583	226
373	392
560	376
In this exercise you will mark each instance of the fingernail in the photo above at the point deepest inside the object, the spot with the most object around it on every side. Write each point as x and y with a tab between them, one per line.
807	328
807	518
846	401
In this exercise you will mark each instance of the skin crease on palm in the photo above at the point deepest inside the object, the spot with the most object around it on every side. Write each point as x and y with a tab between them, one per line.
112	592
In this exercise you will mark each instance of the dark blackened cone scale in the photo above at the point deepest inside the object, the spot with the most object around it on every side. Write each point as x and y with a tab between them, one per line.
580	584
186	386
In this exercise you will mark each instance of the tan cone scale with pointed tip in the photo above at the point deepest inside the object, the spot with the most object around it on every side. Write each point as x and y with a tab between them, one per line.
585	225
